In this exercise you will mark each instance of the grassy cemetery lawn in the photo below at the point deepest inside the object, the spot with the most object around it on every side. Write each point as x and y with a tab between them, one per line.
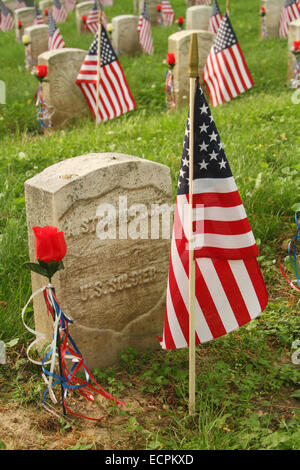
247	388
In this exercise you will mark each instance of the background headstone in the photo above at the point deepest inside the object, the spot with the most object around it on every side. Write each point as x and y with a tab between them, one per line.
198	17
113	289
273	10
45	4
151	8
82	9
179	44
38	38
294	35
61	90
25	15
125	38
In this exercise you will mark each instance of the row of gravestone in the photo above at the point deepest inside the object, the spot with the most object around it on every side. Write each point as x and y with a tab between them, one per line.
62	92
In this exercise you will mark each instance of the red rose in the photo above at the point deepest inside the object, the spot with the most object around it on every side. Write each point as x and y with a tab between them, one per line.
19	24
297	46
41	71
158	7
180	20
84	18
171	58
50	244
262	10
46	12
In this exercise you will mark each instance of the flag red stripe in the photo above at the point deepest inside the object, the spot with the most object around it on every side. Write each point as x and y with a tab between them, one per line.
232	291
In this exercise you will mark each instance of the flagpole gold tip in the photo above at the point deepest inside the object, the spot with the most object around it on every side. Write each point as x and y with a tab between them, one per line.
193	56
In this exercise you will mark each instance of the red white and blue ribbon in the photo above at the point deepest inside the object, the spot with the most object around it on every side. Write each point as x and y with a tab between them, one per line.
64	348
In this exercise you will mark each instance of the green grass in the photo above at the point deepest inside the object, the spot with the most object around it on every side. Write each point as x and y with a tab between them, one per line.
244	380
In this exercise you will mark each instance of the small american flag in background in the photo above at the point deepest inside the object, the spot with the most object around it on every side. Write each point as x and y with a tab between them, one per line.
226	73
230	290
55	40
70	5
144	30
114	94
215	19
167	13
6	21
58	12
20	4
290	12
38	18
92	20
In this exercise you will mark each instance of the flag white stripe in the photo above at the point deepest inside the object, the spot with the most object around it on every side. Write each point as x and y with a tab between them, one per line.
182	280
214	185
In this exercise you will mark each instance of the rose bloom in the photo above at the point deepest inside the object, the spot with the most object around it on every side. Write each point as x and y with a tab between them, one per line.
180	20
46	12
41	71
262	10
171	58
297	46
50	244
19	24
84	18
158	7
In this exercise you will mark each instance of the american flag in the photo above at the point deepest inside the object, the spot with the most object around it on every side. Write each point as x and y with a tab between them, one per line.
114	94
38	18
290	12
167	12
58	12
92	20
229	289
55	40
6	21
144	30
215	19
20	4
226	73
70	5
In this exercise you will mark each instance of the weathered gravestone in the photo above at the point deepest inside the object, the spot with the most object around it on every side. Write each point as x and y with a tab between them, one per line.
125	38
294	35
198	17
25	15
38	38
61	90
82	9
273	10
151	9
113	288
179	44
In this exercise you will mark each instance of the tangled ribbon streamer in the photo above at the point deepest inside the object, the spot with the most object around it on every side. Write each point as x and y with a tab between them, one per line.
293	256
64	348
169	89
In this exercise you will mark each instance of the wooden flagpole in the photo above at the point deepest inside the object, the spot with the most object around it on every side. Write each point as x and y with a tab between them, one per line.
193	73
227	6
98	64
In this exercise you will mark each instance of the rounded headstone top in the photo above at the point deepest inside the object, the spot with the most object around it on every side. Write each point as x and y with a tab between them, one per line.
71	170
